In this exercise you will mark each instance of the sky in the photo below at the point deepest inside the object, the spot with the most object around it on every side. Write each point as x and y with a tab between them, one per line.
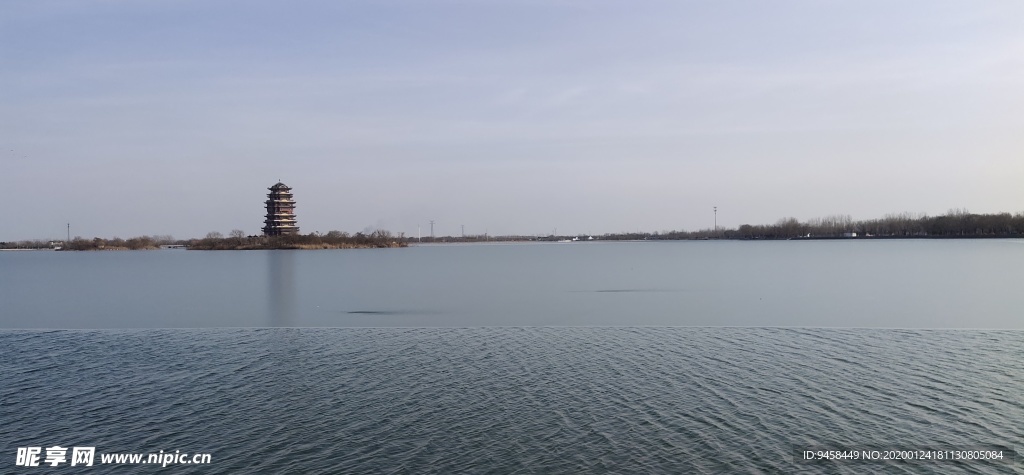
531	117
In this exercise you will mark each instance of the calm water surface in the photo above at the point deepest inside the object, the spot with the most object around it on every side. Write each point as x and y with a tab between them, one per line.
707	357
912	284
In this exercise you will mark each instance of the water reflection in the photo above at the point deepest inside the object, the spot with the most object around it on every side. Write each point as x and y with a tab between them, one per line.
281	288
287	383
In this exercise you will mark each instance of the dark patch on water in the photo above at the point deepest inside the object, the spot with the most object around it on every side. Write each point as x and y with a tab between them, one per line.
615	291
386	312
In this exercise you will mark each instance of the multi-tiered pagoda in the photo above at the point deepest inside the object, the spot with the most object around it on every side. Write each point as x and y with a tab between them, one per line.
280	212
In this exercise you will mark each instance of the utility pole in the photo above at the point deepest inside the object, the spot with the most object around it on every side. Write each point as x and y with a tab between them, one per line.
716	220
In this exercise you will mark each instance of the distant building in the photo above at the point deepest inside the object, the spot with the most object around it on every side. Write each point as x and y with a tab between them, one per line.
280	212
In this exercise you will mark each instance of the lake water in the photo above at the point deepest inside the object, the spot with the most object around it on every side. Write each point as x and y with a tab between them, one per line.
666	357
908	284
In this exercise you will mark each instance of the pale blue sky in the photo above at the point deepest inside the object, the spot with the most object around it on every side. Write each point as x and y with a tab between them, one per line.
173	117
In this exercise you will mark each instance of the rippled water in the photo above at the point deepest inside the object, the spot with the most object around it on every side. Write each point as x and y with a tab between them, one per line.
512	400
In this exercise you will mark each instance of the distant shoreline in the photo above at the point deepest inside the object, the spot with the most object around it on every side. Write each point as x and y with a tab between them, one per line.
956	224
500	240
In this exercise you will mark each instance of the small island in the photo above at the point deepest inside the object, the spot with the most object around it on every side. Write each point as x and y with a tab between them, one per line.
281	231
330	240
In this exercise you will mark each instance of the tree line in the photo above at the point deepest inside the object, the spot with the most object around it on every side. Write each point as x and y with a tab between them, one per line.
956	223
82	244
237	239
